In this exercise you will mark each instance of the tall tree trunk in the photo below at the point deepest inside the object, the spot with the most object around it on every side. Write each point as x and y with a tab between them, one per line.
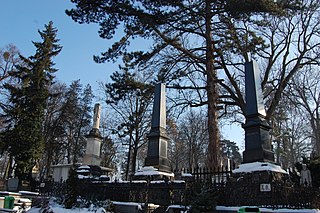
212	94
135	149
129	157
134	159
136	136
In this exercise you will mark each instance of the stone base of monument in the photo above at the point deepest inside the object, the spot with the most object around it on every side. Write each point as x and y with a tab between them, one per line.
161	163
255	184
258	155
94	172
151	173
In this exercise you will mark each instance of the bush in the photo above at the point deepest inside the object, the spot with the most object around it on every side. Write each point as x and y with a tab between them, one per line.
71	194
314	167
205	201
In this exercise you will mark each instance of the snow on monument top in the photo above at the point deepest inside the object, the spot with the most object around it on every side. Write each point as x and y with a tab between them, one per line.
151	171
259	166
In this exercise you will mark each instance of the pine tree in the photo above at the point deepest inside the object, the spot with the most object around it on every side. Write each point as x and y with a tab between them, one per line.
28	99
194	33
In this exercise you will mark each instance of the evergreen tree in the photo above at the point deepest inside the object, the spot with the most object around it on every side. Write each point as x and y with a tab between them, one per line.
230	150
54	129
76	111
67	121
71	188
28	98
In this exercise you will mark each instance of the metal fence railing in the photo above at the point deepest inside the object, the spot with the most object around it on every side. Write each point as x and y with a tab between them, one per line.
228	190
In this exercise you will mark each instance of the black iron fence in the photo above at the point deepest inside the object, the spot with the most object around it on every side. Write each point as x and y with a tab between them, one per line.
228	190
216	177
280	196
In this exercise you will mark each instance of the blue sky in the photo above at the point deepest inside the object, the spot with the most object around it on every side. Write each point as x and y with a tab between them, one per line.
19	25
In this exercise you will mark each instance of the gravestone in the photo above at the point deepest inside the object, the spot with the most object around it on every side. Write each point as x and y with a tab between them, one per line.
257	137
13	184
158	139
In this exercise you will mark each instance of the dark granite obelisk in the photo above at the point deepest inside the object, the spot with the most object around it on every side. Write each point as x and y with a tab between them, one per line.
158	139
257	137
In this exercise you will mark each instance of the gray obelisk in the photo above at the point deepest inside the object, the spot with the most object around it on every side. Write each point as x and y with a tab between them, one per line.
158	139
257	137
94	139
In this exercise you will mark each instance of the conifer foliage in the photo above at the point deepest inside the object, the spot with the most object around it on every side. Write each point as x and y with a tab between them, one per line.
27	103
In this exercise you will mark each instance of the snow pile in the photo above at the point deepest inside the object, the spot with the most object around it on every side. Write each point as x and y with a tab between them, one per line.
157	181
63	210
178	208
84	167
83	177
28	193
259	166
178	181
151	171
83	171
139	181
56	208
186	174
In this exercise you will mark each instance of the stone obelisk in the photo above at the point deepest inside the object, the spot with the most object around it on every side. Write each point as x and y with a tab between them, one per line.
158	139
94	139
257	137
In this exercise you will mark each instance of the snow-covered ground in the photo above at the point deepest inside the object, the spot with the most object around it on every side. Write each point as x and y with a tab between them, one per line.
224	208
59	209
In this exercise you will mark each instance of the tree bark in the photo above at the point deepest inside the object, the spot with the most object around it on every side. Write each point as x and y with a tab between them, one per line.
212	93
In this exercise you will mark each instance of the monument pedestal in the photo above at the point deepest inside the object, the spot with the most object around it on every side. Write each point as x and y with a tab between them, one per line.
257	146
92	155
261	155
157	150
255	184
161	163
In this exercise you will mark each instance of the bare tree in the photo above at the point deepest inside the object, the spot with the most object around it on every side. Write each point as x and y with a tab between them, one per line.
189	137
9	58
129	100
290	134
306	97
108	147
290	43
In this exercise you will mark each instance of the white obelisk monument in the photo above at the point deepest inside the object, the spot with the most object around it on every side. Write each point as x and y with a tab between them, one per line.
94	139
